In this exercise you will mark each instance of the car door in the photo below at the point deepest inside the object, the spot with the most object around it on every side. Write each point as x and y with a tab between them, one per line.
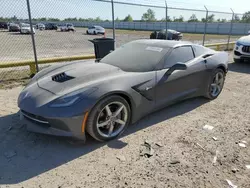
180	84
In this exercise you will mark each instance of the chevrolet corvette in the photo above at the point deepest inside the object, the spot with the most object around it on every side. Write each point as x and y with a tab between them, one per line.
102	98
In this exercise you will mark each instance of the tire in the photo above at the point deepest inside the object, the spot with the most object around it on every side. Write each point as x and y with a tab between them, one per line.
87	32
153	35
94	33
161	36
209	93
99	111
237	60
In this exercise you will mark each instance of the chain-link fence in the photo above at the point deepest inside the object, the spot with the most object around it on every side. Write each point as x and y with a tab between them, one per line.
63	28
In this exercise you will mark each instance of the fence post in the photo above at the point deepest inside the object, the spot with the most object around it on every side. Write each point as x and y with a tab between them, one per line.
230	31
166	20
32	36
205	29
113	19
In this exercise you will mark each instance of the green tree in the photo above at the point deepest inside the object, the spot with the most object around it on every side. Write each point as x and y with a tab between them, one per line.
236	18
246	17
128	18
53	19
82	20
98	19
193	18
149	15
222	20
210	18
180	19
168	19
117	19
42	19
14	18
71	19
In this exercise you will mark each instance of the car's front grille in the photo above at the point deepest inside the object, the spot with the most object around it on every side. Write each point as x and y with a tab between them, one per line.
35	118
246	49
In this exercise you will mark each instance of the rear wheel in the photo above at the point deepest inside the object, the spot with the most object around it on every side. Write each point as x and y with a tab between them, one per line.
109	118
216	84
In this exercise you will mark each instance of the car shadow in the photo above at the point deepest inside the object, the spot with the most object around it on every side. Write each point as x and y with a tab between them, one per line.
242	67
3	31
25	155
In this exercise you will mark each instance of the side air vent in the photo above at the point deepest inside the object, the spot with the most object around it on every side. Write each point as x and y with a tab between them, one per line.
207	55
62	77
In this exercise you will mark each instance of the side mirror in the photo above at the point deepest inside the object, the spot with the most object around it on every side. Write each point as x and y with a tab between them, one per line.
177	66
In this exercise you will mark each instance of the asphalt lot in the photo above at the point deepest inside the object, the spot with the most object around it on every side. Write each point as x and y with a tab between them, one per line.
184	153
16	47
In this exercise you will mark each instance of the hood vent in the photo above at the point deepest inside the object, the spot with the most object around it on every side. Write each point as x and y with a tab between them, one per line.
62	77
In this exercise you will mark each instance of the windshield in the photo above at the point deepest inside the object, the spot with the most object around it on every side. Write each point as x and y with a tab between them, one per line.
136	57
25	25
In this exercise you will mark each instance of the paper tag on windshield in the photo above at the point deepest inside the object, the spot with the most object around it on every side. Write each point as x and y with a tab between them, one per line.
155	49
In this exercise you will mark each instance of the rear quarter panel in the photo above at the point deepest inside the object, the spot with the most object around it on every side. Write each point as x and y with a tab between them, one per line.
219	59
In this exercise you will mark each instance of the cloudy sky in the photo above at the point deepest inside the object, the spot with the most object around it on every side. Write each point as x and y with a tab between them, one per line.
89	8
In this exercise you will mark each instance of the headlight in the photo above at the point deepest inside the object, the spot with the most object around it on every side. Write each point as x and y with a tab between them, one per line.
71	98
239	44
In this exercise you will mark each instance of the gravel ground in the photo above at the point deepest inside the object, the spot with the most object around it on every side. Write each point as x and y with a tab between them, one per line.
16	47
183	151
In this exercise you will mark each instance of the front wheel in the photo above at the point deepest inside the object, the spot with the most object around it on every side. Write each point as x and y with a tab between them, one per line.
216	84
109	118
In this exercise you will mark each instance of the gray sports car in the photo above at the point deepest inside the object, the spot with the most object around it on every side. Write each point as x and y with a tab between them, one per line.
103	98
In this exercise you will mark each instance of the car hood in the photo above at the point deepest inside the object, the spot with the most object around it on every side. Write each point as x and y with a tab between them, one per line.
170	31
28	28
245	40
66	78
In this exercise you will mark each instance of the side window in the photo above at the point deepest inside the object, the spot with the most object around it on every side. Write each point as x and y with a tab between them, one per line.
198	50
181	54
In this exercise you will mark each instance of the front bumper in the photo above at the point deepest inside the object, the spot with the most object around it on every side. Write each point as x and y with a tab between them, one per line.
26	31
240	54
66	127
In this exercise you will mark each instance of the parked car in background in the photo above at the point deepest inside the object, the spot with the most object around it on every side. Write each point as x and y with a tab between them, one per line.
40	26
171	35
26	29
51	26
13	27
3	25
242	49
95	30
67	27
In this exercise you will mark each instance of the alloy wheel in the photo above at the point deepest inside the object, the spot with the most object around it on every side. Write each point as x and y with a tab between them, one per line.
217	84
112	119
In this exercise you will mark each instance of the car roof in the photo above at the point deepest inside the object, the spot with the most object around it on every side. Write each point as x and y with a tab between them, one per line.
163	43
